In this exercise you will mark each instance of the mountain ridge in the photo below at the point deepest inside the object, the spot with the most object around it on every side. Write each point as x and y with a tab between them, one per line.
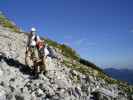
69	77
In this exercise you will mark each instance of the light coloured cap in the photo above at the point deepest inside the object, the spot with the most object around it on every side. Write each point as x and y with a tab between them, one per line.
33	29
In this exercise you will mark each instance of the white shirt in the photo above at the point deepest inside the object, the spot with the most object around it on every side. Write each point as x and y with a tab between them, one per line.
32	41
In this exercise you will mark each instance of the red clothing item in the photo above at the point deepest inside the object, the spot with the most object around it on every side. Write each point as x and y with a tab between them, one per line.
40	44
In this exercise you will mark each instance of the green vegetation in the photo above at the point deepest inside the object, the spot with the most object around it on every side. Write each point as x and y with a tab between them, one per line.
5	22
126	88
108	79
90	70
90	64
84	66
69	52
80	68
75	62
121	84
65	50
81	64
51	42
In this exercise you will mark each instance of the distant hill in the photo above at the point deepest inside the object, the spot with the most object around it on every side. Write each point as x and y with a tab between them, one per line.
121	74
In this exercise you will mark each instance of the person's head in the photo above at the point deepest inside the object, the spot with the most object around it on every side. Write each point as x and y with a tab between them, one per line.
33	31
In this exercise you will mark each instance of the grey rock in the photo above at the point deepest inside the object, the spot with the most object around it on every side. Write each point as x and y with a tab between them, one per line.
60	82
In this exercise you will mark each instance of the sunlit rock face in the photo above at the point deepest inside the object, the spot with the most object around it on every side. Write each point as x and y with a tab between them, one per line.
60	82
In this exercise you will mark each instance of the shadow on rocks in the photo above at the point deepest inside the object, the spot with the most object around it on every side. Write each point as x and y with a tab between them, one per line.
15	63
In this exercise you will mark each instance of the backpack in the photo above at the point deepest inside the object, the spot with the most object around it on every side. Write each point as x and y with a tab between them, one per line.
51	52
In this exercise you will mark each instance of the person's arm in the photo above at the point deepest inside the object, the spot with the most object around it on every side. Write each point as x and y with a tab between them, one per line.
38	39
28	42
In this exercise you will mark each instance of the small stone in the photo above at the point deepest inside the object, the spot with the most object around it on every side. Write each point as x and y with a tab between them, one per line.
1	72
12	79
18	97
2	95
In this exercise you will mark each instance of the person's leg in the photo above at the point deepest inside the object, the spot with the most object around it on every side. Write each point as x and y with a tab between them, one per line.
35	56
34	59
26	57
37	53
35	70
28	60
43	66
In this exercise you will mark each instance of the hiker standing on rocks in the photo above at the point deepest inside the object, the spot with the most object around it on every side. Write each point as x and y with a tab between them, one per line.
35	49
31	44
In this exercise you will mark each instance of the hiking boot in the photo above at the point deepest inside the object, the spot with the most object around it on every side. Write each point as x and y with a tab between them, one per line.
34	76
44	72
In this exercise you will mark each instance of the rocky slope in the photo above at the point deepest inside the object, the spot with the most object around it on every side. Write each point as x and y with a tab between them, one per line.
66	79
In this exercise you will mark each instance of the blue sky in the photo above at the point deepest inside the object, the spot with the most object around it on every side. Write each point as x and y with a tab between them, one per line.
99	30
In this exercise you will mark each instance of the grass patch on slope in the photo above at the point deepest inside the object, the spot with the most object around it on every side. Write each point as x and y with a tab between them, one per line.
84	66
5	22
71	53
94	72
80	68
81	65
90	64
65	50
